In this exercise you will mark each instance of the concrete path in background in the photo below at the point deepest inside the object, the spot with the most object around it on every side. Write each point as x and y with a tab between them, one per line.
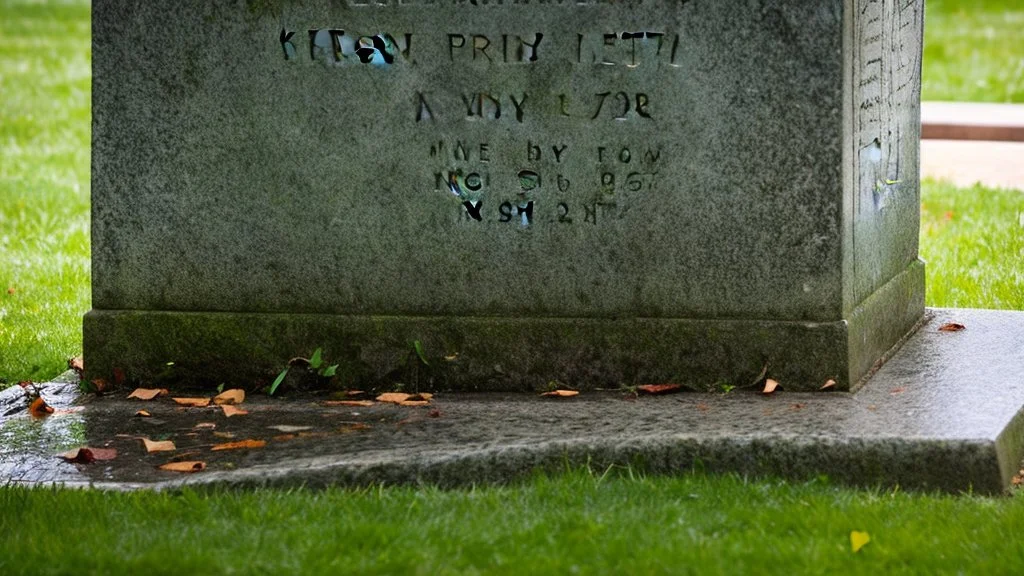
969	143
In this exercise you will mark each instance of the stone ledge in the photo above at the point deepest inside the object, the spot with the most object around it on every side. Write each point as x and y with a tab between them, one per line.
945	413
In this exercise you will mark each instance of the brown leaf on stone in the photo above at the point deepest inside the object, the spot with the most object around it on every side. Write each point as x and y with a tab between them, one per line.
143	413
655	389
414	403
148	393
951	327
829	385
240	444
88	455
204	426
118	377
230	411
897	390
39	408
233	396
363	403
77	364
560	393
158	445
99	385
770	386
393	397
188	466
194	402
25	383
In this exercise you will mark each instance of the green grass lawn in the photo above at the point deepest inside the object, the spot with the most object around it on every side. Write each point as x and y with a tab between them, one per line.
973	240
572	523
974	51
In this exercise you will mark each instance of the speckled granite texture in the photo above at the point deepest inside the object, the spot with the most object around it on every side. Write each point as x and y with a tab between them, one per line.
701	164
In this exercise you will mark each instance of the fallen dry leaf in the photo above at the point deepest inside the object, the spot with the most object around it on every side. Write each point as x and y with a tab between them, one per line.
99	385
10	290
204	426
240	444
393	397
951	327
25	383
769	386
39	408
288	429
560	393
233	396
655	389
143	413
348	403
414	403
859	540
77	364
230	411
187	466
829	384
194	402
158	445
897	390
88	455
148	393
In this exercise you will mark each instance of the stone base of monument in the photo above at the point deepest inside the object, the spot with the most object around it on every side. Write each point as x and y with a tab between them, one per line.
945	413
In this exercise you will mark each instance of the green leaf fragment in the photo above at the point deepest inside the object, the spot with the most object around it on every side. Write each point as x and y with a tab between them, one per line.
277	381
330	371
316	360
419	352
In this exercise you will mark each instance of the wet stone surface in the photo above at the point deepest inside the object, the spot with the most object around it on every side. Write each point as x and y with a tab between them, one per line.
944	413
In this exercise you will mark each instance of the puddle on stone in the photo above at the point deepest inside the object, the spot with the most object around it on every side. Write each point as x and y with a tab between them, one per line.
28	446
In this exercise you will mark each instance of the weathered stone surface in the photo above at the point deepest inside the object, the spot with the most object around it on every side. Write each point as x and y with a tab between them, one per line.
944	413
739	176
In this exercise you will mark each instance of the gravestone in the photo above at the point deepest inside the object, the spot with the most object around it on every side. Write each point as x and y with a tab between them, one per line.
494	194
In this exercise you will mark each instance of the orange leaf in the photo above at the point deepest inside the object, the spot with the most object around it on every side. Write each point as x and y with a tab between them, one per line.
414	403
158	445
560	393
88	455
233	396
659	388
240	444
951	327
99	385
77	364
143	413
39	408
148	393
348	403
196	402
393	397
230	411
187	466
828	385
769	386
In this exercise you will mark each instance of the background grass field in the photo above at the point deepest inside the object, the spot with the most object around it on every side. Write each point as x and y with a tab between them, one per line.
579	522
